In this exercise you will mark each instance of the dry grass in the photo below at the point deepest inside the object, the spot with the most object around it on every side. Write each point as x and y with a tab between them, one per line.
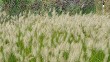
57	39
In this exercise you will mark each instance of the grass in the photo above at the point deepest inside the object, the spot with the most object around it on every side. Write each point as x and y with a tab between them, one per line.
64	38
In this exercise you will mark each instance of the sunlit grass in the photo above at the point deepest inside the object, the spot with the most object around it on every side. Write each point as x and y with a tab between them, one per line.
78	38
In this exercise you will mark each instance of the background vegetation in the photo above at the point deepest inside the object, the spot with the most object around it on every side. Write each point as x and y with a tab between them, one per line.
14	7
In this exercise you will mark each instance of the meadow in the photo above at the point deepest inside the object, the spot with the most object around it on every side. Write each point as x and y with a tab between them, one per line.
64	38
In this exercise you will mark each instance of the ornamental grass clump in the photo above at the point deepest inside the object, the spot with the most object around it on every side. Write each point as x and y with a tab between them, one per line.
64	38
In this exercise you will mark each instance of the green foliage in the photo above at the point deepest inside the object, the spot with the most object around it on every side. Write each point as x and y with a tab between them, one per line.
88	9
73	9
15	7
1	50
109	56
97	56
33	60
41	38
65	55
12	58
55	38
71	38
20	43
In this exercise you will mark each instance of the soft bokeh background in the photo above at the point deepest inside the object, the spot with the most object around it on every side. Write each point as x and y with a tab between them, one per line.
14	7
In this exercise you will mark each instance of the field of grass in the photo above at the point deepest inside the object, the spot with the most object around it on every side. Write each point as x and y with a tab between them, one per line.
64	38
